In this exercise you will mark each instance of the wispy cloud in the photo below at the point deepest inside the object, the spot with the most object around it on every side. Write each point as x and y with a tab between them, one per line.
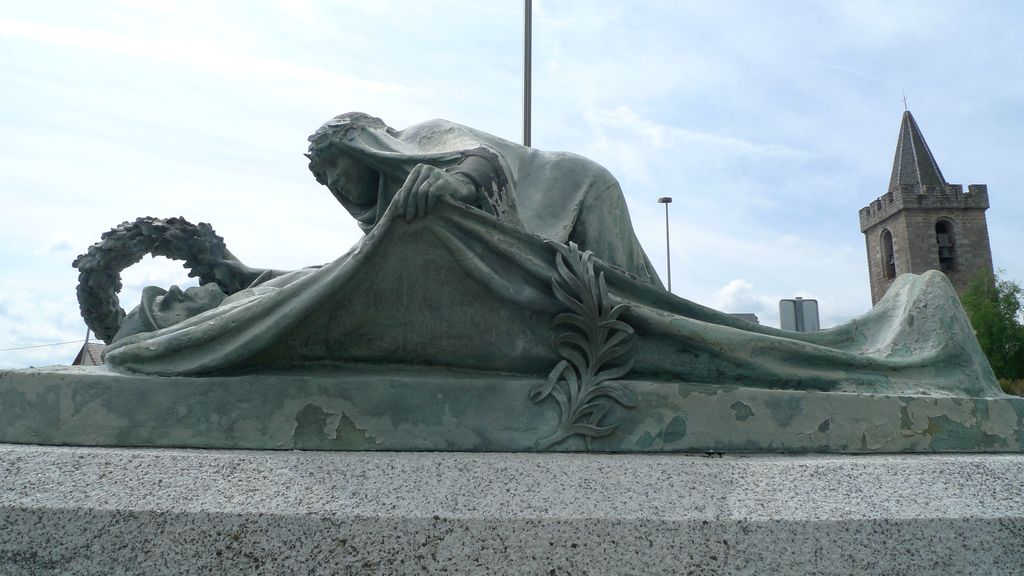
853	72
197	53
659	135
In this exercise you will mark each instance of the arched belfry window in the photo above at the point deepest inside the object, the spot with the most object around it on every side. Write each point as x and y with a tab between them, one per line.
888	256
945	240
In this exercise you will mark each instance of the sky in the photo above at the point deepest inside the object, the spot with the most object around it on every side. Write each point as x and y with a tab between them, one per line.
770	124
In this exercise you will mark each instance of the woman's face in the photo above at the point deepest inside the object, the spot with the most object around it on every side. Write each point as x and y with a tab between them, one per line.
355	185
352	182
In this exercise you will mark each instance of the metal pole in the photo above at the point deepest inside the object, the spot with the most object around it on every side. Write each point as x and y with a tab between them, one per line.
527	71
666	200
668	251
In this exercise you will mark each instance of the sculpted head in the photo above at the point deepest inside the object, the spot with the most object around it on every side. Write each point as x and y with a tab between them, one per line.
335	162
162	308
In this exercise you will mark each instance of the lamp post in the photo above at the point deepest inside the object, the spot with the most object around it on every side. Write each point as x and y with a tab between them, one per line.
527	68
666	200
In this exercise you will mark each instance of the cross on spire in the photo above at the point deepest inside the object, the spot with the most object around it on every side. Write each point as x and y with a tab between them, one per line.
905	101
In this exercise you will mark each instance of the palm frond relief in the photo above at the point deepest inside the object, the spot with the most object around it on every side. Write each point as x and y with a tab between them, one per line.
596	350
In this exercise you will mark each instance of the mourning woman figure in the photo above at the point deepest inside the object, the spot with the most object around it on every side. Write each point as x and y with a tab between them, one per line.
556	195
368	166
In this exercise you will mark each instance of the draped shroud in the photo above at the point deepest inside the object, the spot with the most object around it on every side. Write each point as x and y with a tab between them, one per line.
462	290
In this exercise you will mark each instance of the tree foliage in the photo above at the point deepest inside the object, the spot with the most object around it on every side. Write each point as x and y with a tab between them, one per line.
996	309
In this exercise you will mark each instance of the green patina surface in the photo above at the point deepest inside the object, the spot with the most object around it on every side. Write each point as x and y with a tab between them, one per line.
376	409
500	300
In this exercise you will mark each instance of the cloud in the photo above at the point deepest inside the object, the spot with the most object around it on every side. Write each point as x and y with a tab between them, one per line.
32	316
739	296
656	135
732	295
196	53
640	151
854	72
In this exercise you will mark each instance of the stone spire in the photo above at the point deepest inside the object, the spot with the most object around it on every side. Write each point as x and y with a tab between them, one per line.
914	164
923	222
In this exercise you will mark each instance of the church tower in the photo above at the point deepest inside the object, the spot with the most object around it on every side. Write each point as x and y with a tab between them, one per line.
923	223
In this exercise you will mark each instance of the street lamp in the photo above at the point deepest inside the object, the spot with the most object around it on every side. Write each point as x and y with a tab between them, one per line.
527	68
666	200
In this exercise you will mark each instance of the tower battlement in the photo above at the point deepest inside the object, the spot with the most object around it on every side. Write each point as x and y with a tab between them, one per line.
923	197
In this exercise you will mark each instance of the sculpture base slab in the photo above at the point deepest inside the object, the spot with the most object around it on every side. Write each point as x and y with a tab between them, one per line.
361	408
101	511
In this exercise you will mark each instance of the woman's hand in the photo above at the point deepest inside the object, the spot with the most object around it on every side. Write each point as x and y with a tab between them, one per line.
426	184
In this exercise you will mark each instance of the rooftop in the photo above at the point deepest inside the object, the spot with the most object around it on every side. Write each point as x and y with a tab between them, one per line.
913	164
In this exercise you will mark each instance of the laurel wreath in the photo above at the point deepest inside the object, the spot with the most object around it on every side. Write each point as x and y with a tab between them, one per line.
99	269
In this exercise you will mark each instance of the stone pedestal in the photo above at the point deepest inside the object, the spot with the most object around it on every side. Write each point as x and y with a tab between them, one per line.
172	511
411	409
